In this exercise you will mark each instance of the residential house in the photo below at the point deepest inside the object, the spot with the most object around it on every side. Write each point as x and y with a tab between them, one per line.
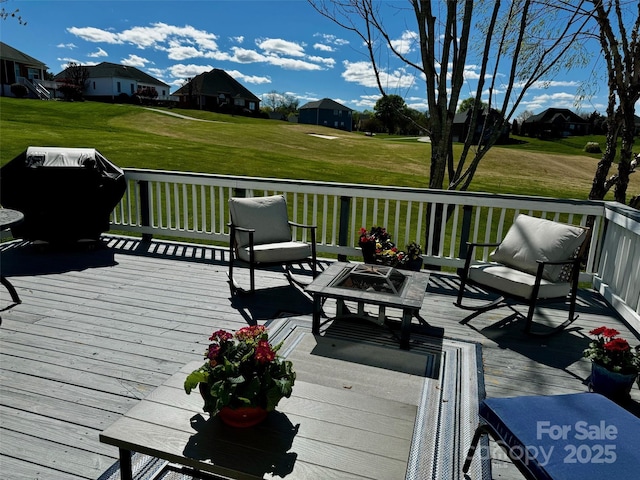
110	82
462	123
18	67
555	123
326	112
219	92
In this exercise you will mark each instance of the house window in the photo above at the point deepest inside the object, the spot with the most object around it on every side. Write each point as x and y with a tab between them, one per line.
335	112
132	89
252	105
94	85
239	102
33	74
163	94
118	88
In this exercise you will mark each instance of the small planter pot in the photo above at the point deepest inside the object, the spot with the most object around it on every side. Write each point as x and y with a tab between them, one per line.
368	252
413	265
613	385
242	417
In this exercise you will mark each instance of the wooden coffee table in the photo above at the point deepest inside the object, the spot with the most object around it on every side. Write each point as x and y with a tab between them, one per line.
408	297
323	431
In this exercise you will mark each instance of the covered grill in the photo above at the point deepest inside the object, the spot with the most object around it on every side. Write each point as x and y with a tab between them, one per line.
66	194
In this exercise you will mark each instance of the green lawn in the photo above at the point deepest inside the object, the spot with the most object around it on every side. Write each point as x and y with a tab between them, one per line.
132	136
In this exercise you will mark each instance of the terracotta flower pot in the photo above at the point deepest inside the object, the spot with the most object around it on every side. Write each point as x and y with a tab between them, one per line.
616	386
236	417
242	417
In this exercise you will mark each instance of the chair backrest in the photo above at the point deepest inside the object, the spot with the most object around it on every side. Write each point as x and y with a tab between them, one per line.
530	239
268	216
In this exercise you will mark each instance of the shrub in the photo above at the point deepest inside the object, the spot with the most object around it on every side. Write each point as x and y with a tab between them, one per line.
592	147
19	90
71	92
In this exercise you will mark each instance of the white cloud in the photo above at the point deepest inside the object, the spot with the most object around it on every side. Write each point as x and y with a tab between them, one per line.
323	48
329	62
66	61
134	61
182	71
243	55
256	80
405	43
292	64
70	46
362	73
181	43
278	46
366	101
544	84
157	72
332	39
183	52
96	35
98	53
556	100
147	37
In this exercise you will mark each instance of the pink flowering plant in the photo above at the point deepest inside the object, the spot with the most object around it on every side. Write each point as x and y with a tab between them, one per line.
612	352
242	370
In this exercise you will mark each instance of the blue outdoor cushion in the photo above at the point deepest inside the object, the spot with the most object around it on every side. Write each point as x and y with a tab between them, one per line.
579	436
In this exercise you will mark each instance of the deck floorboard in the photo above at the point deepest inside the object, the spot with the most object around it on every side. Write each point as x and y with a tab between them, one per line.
99	329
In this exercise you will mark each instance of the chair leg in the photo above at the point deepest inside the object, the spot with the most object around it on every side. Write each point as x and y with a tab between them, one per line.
481	430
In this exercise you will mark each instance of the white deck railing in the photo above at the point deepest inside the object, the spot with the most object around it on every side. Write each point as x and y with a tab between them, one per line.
194	206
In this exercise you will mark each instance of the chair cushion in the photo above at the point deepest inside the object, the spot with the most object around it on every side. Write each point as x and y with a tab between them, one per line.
280	252
530	239
516	282
267	215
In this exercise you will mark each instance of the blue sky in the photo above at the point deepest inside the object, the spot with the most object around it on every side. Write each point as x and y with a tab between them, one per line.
266	45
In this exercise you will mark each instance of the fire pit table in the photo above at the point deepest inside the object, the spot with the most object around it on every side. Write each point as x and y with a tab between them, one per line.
370	284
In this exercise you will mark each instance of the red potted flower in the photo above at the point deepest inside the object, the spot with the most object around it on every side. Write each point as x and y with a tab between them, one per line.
243	378
614	363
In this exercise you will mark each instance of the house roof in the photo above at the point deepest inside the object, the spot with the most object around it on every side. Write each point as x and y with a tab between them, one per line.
550	115
7	52
111	70
215	82
325	104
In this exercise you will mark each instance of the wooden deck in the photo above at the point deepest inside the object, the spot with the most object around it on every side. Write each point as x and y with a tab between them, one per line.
98	329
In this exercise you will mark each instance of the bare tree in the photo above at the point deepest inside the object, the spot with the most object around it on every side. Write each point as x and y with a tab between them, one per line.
4	14
75	81
282	103
619	39
523	115
527	39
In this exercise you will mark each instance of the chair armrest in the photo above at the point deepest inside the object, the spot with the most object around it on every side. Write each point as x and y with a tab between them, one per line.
560	262
473	245
470	255
241	229
302	225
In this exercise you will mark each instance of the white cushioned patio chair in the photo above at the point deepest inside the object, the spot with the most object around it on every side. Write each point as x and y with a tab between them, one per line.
260	234
537	261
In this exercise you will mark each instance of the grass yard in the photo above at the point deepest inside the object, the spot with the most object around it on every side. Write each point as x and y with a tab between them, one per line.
132	136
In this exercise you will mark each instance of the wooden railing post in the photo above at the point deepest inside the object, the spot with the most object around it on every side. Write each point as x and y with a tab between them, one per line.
145	208
466	230
343	232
